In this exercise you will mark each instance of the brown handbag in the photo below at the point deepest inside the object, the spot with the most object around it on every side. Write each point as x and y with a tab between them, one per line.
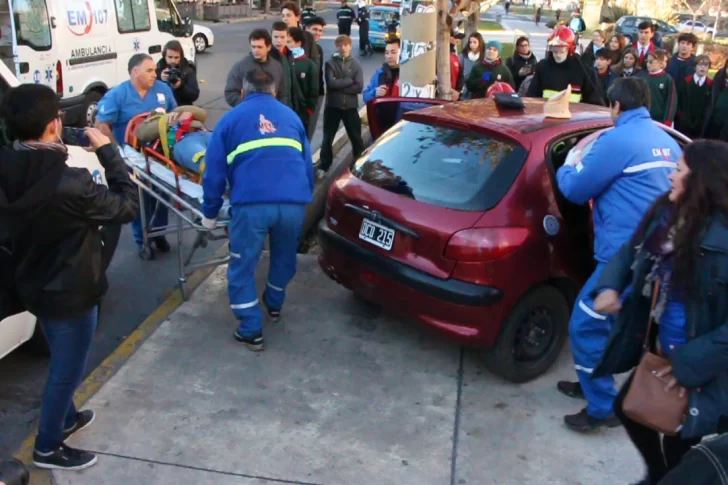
646	401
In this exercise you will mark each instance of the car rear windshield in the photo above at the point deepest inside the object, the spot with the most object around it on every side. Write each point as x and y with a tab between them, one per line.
442	166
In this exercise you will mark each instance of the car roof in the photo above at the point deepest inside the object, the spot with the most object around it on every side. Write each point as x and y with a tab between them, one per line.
484	114
387	8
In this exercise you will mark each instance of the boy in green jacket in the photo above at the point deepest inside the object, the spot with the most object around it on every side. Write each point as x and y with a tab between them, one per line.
279	34
663	94
490	70
305	75
693	97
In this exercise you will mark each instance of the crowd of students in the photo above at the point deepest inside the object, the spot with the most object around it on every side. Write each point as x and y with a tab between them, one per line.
682	94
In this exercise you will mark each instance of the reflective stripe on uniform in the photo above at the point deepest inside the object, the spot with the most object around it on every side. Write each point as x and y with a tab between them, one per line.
649	166
574	98
583	369
263	143
243	306
591	312
274	287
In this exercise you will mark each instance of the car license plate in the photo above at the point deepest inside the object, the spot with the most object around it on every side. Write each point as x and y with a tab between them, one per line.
376	234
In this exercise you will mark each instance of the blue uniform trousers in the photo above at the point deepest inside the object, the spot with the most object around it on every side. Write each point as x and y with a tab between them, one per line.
249	226
588	334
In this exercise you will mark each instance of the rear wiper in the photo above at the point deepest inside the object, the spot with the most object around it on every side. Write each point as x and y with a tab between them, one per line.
386	221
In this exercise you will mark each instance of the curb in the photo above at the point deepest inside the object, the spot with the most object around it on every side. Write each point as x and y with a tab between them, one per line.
111	365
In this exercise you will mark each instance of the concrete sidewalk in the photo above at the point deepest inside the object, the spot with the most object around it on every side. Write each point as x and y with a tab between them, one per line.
343	395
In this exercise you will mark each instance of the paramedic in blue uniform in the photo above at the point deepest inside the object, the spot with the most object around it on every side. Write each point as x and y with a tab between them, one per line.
260	148
626	169
140	94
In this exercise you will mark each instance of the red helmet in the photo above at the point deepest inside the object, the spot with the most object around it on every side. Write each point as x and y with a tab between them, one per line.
498	87
562	36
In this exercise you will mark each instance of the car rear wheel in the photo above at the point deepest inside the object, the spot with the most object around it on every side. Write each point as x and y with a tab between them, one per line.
532	336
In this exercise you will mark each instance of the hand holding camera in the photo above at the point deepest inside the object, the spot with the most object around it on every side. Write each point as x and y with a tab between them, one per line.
172	76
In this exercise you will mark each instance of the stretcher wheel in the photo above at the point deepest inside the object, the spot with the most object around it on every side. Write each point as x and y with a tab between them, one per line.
146	252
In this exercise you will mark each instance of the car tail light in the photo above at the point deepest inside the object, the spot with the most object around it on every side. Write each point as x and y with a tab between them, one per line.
59	78
484	244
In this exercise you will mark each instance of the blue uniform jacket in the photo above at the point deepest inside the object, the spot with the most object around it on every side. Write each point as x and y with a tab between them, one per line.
370	92
262	149
625	171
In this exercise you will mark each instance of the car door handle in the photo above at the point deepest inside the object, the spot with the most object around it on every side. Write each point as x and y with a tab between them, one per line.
155	49
24	68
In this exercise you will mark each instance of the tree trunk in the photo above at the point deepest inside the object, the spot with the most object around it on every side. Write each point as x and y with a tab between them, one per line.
266	9
417	58
444	86
717	18
471	26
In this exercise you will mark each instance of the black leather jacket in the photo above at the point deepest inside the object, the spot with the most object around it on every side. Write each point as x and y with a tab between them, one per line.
188	92
51	258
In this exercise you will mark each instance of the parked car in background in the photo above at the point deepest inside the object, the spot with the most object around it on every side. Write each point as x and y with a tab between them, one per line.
627	26
383	23
696	27
452	218
202	37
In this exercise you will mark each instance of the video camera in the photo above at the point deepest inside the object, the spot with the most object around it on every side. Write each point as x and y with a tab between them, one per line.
175	74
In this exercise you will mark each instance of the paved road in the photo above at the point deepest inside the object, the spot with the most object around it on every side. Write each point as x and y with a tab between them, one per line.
136	287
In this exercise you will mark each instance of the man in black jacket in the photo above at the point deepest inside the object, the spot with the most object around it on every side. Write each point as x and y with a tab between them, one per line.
176	71
50	218
345	16
344	83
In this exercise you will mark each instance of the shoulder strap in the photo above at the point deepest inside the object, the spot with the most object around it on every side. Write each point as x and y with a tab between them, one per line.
650	318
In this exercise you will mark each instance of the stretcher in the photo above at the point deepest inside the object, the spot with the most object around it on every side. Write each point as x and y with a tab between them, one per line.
180	191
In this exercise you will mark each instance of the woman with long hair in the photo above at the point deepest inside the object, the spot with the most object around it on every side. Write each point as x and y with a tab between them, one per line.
599	41
473	52
629	66
679	251
616	47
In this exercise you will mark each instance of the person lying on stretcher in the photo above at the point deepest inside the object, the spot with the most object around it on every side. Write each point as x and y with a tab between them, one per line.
181	133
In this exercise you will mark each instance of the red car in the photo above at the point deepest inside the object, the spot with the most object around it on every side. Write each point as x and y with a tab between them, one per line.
452	218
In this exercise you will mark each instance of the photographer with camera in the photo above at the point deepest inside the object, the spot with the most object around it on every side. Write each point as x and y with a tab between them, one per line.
176	71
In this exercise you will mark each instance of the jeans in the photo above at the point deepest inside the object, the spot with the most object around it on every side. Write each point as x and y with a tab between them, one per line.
352	123
660	455
161	220
69	340
249	227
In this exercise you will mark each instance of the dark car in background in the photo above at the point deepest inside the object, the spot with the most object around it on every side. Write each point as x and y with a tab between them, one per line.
627	26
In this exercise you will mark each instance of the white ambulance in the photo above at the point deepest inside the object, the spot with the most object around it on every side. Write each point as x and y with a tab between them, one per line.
18	329
81	48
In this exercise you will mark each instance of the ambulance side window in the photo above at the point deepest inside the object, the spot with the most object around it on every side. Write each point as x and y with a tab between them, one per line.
31	24
132	16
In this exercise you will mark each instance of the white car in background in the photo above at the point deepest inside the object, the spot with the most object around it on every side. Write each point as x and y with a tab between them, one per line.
695	27
202	37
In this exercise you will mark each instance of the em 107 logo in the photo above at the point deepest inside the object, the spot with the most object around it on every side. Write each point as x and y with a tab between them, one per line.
82	16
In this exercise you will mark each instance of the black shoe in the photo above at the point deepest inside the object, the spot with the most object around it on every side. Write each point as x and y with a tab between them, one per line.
254	343
13	472
64	458
571	389
83	420
161	244
582	422
273	313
